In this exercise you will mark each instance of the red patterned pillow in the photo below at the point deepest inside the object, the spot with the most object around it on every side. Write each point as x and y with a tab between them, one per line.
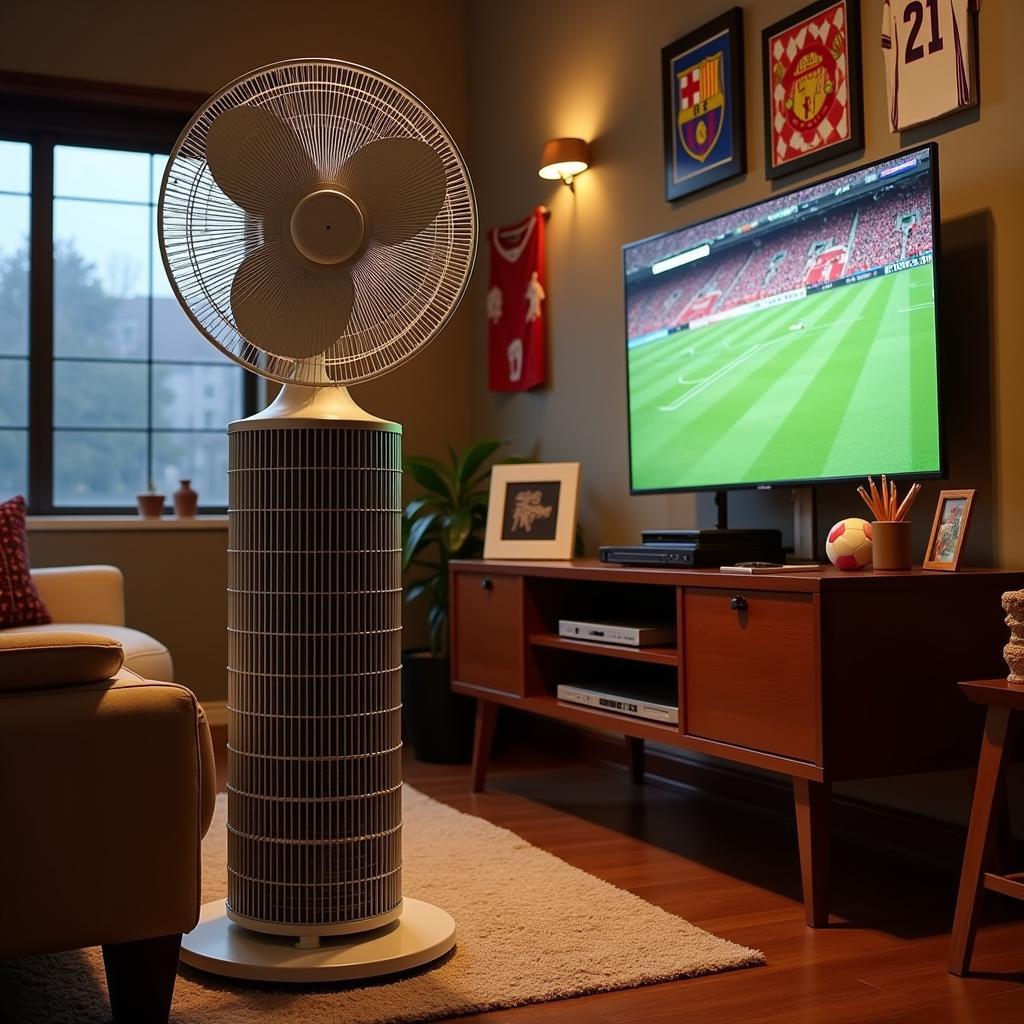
20	604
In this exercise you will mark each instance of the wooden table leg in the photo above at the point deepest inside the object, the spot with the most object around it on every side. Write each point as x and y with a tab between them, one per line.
979	839
636	759
813	801
483	738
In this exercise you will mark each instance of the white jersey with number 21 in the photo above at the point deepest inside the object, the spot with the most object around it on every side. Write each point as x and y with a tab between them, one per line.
928	46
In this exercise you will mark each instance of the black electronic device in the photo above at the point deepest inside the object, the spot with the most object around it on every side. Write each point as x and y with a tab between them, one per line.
694	555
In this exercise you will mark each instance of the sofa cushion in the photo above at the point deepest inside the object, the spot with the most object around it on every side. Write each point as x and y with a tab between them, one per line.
40	660
20	604
142	654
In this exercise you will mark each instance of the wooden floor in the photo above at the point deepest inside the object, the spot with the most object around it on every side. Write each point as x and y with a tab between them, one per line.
733	870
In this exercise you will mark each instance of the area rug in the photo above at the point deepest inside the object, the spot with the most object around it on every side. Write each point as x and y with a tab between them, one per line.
531	928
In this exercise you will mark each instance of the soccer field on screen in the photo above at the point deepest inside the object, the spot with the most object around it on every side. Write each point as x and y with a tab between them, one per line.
840	383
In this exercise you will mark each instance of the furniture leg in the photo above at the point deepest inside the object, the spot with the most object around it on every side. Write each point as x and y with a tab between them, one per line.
979	838
140	979
483	737
813	800
636	759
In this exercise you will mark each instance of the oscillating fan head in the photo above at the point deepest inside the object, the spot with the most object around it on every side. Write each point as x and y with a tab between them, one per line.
317	222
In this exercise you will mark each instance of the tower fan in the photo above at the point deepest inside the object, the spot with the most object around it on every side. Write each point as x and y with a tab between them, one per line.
318	225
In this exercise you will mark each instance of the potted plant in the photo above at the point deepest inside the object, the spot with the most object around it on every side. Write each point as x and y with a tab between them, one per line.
447	521
150	504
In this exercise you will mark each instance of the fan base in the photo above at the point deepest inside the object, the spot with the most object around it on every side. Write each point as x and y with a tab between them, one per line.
216	945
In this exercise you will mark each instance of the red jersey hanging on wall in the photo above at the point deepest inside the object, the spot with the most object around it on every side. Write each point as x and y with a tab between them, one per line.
516	311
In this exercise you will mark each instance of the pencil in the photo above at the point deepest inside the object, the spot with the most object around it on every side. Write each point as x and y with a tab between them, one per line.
902	511
876	498
867	501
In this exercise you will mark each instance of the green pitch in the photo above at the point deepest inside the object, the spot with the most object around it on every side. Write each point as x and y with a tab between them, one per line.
840	383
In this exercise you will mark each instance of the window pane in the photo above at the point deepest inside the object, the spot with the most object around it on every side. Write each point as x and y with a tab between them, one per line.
14	214
157	166
13	393
90	394
201	458
101	174
95	468
15	167
101	272
196	397
13	463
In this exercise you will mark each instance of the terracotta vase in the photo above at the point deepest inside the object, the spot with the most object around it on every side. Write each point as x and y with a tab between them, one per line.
151	506
185	501
1013	652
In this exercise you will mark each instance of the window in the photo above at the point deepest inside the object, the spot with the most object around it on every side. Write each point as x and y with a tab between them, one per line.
106	386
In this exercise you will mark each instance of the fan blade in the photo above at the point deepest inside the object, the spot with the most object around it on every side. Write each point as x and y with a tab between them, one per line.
401	183
257	160
290	310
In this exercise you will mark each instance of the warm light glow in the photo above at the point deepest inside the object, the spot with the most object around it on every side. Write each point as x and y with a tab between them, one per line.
566	169
563	159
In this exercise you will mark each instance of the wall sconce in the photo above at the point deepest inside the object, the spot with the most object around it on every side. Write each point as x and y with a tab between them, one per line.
564	159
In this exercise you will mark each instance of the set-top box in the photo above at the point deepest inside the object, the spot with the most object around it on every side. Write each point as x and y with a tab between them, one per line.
629	635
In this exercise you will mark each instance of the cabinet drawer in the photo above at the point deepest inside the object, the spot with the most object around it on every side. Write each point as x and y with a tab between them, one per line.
487	612
751	670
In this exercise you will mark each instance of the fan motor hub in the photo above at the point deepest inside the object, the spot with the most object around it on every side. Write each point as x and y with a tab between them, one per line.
328	226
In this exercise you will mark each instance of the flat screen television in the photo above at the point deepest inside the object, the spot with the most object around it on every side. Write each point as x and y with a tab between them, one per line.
790	342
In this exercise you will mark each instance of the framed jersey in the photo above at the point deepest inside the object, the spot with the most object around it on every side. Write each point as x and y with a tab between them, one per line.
702	90
930	54
812	86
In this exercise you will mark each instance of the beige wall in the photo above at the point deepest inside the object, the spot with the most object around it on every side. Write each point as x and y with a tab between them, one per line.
176	581
543	68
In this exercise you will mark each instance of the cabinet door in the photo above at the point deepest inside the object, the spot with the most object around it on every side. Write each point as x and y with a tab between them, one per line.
751	675
487	628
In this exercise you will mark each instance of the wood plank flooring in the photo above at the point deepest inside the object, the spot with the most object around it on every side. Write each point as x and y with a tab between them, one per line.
733	870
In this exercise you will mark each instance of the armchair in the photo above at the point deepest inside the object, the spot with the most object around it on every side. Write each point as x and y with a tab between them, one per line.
107	787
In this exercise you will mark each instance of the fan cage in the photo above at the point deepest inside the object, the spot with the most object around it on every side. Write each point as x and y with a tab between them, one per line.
404	293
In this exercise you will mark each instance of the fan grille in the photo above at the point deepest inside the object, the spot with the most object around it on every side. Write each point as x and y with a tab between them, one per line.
404	292
314	675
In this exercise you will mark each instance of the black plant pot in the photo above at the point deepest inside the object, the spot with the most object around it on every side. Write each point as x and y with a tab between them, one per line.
438	723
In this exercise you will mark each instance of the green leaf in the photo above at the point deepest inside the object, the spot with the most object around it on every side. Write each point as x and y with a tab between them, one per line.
430	475
457	530
419	537
473	459
416	506
417	589
437	624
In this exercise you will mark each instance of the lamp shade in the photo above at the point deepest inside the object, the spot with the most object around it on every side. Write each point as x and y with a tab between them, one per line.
564	158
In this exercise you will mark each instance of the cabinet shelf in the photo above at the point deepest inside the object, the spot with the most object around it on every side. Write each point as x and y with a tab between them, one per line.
658	654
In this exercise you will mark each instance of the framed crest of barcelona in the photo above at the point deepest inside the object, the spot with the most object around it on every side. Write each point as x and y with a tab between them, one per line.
702	86
812	86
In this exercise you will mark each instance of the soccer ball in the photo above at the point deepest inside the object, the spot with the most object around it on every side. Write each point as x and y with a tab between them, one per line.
849	544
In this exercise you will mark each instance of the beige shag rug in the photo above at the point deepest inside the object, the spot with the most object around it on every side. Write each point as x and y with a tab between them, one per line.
531	928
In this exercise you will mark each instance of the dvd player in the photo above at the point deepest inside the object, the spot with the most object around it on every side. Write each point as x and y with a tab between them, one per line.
633	703
691	556
628	634
705	538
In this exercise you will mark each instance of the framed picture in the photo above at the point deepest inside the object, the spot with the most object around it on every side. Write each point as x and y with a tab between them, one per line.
949	528
702	87
813	109
531	512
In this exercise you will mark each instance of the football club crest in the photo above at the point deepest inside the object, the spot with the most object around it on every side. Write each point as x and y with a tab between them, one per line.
701	106
812	86
702	88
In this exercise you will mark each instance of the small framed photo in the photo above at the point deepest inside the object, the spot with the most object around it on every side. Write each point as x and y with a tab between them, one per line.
949	528
702	89
531	512
813	108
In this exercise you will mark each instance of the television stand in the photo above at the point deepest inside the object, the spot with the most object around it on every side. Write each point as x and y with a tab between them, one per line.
821	676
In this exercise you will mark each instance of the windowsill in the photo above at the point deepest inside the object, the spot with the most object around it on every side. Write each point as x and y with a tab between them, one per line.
126	522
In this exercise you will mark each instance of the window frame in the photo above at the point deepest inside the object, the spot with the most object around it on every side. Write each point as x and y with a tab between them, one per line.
47	112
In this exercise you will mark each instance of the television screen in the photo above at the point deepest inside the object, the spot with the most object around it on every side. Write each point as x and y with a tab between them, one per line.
792	341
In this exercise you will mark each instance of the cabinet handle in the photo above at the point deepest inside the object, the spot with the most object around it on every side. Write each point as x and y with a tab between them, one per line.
487	583
738	603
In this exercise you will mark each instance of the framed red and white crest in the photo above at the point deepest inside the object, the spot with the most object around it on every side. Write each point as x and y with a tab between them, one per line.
812	86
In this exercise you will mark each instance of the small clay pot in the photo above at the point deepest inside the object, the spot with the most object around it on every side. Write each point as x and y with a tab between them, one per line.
1013	652
151	506
186	501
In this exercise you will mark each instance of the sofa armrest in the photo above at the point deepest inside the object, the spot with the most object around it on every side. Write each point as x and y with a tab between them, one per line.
82	593
101	800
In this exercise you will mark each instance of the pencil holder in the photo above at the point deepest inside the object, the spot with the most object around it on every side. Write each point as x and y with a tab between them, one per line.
890	545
